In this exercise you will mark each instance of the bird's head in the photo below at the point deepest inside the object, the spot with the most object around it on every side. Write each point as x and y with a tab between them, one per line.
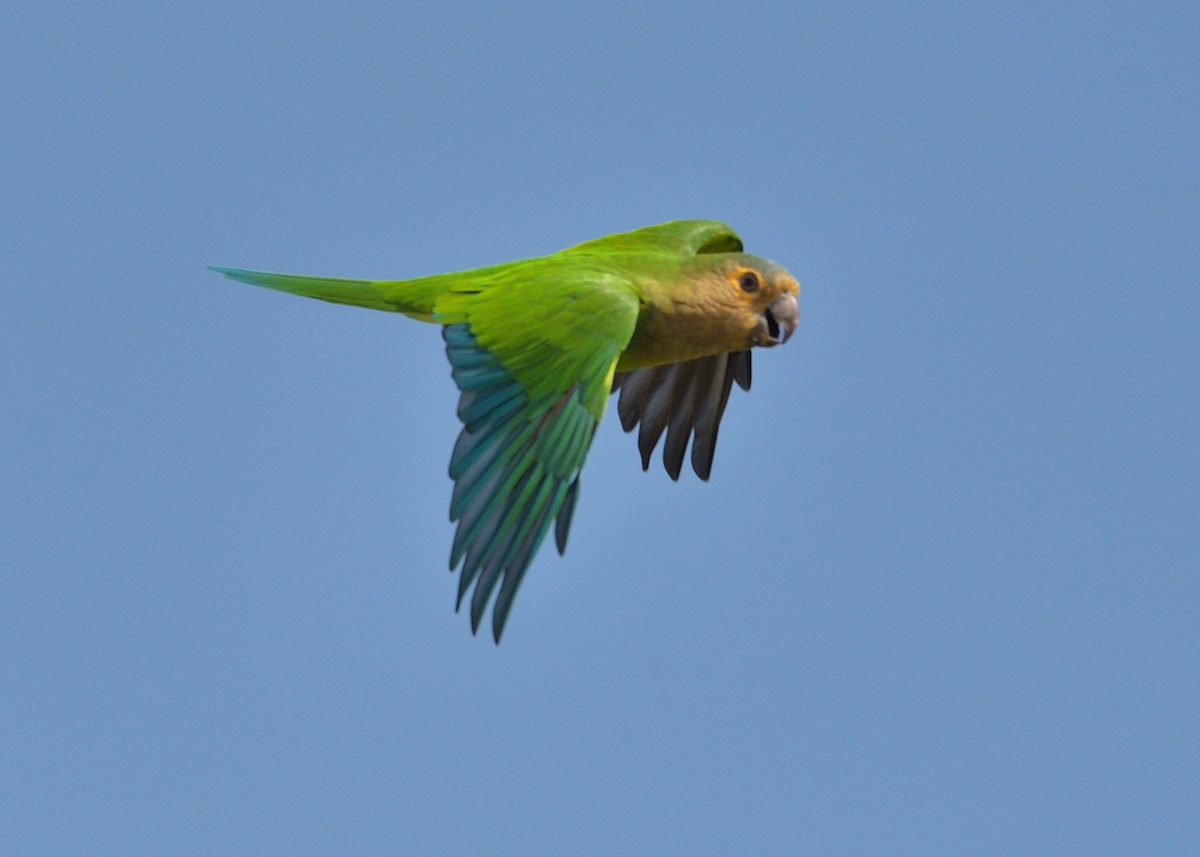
752	300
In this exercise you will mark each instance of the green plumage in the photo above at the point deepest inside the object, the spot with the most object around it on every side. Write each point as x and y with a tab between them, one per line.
535	346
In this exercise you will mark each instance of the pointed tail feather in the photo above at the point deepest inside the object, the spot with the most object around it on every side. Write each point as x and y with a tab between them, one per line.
416	298
365	293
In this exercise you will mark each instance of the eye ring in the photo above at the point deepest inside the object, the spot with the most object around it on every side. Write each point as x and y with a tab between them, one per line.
749	282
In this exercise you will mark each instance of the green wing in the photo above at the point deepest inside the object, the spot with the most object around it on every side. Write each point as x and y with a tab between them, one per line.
533	351
679	237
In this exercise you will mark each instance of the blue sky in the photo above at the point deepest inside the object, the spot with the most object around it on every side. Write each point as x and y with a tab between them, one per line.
939	597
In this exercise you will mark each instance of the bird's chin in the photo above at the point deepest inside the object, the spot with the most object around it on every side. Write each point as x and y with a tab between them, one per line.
767	330
760	338
775	323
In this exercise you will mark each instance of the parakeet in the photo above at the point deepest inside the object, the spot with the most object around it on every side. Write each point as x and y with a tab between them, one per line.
666	315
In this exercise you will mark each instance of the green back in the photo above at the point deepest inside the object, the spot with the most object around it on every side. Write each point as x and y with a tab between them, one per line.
677	238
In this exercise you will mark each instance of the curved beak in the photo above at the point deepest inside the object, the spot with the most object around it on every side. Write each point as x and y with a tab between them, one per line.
778	321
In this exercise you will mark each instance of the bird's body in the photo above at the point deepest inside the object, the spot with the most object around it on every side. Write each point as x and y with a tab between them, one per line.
667	314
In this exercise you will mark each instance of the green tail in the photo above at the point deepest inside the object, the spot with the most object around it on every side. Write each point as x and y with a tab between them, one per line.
356	292
414	298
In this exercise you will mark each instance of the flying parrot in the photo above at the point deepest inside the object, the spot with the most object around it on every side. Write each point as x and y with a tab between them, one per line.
665	315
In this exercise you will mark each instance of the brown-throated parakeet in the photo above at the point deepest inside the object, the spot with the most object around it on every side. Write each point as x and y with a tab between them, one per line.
667	315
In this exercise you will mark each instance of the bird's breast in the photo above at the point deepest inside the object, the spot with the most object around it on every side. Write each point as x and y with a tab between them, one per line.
677	335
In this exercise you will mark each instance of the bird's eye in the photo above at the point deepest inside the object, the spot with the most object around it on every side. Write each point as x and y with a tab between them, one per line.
748	281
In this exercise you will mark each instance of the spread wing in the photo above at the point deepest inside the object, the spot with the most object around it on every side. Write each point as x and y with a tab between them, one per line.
534	360
684	399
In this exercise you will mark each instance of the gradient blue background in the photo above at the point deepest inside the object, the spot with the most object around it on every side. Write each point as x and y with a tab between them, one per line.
940	597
